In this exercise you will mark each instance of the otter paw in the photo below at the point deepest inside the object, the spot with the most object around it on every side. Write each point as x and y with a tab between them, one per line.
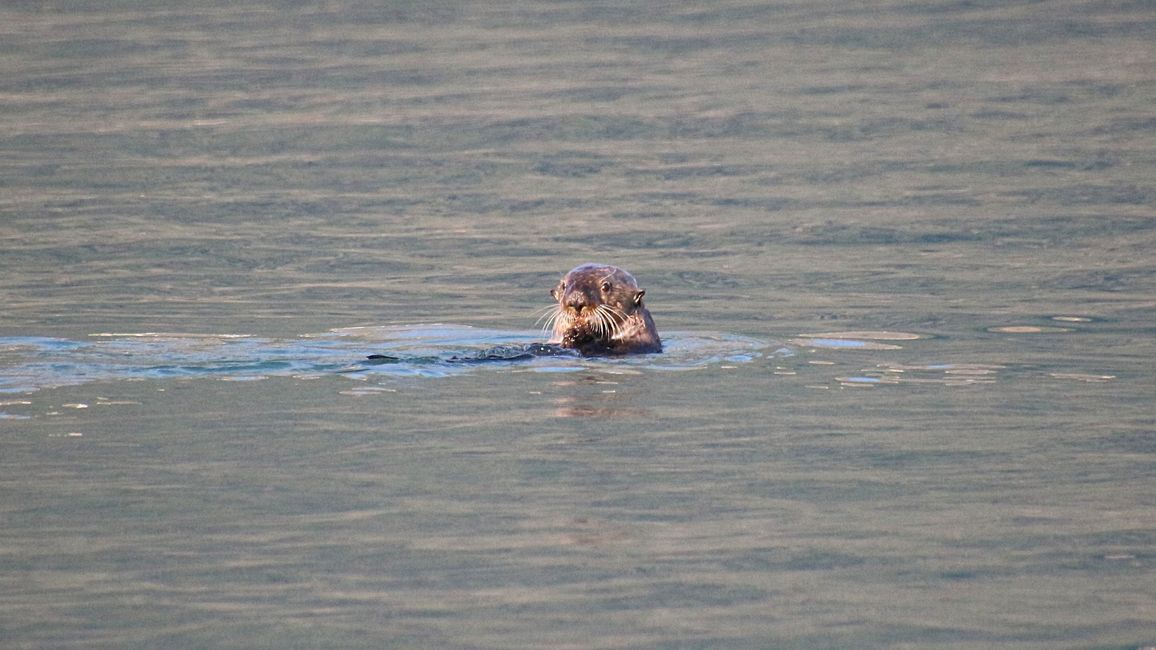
576	337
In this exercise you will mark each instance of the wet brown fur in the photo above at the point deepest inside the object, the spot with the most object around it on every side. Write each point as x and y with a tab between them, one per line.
599	311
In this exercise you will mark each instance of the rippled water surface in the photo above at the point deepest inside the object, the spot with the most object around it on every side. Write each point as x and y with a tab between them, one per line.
901	254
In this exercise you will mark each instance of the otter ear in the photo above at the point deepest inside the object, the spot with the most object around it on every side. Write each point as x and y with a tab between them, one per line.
638	296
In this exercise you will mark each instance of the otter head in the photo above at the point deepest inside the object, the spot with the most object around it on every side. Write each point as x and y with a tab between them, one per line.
586	287
594	301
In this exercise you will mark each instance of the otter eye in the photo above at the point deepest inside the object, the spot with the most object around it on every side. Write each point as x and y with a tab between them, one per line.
605	287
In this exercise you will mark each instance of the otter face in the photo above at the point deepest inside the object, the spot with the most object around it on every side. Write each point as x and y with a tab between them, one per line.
597	308
585	288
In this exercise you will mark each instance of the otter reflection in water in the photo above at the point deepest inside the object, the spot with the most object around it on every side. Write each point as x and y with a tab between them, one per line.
600	312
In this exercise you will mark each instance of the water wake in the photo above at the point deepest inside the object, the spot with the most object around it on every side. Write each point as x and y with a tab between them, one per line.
29	364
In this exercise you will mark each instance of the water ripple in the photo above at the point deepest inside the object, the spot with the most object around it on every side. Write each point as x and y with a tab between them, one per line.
29	363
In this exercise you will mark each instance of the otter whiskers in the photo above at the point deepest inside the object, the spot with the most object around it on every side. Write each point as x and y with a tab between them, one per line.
598	310
554	315
548	314
607	321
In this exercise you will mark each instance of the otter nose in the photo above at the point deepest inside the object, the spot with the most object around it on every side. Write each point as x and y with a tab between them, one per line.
576	300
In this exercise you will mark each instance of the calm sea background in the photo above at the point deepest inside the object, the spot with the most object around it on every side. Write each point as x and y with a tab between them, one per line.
904	255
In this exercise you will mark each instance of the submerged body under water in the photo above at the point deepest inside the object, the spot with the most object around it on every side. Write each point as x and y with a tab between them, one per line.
28	364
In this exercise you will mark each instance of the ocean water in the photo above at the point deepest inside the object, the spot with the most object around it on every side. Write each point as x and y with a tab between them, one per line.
902	254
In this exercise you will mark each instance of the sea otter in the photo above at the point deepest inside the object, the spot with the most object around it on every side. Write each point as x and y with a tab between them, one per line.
600	312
